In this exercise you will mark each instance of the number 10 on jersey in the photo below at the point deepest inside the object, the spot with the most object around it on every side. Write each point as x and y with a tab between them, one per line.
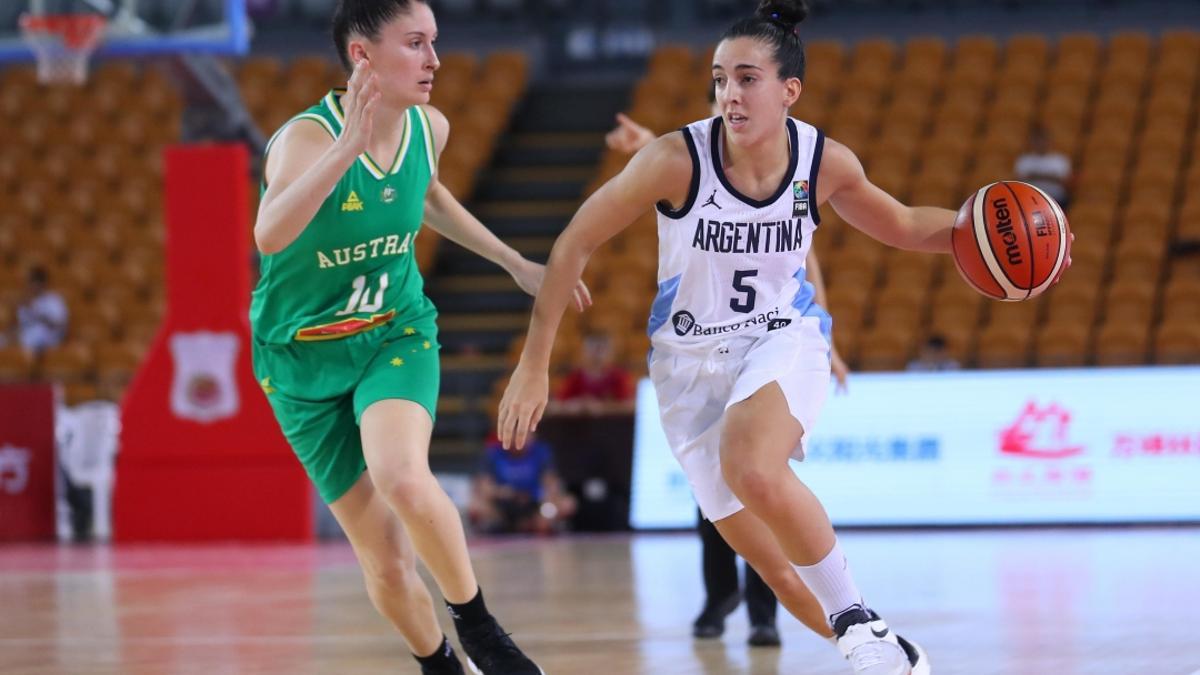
360	298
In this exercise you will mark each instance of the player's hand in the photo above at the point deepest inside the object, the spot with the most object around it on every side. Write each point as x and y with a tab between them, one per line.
840	370
628	136
1066	263
522	405
529	275
358	104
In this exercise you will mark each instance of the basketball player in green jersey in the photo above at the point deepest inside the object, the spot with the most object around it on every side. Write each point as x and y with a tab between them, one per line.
345	340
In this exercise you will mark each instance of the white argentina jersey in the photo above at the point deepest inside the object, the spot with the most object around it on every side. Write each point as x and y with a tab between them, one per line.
729	265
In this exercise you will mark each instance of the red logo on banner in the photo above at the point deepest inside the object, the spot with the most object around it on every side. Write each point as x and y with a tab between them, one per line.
1039	433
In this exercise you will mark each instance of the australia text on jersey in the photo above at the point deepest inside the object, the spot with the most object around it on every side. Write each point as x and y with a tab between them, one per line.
389	245
779	236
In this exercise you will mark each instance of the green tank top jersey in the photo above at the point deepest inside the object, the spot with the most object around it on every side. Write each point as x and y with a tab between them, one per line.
353	268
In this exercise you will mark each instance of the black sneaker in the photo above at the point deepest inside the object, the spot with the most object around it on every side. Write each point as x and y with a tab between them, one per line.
711	622
765	635
490	651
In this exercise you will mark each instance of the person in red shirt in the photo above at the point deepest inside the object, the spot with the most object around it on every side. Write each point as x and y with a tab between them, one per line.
599	386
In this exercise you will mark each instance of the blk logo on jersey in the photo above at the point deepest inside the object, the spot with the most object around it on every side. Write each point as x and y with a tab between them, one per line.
776	324
683	322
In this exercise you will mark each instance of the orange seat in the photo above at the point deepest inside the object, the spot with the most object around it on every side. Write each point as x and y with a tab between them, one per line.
1181	299
67	362
1121	343
1177	342
1132	302
1002	345
886	348
1062	345
118	361
15	364
1072	302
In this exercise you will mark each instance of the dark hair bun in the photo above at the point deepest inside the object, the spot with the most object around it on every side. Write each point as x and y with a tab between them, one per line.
786	13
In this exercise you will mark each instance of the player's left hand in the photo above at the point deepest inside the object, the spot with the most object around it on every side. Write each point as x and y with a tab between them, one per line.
529	275
522	405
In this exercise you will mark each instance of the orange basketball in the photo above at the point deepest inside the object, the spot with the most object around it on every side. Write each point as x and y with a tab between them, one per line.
1011	241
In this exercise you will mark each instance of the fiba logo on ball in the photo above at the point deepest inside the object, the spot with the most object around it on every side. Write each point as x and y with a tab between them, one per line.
683	321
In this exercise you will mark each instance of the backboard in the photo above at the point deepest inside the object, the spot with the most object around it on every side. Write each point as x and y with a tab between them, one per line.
138	28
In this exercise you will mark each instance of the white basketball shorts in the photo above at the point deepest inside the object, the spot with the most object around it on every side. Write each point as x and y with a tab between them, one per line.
695	386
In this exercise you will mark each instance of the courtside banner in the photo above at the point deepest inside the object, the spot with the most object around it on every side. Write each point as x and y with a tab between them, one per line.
1102	445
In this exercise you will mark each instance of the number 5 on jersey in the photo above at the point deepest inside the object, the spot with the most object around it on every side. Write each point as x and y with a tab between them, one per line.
360	299
745	304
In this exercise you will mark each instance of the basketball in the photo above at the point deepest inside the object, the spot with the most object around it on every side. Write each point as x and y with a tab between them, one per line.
1011	241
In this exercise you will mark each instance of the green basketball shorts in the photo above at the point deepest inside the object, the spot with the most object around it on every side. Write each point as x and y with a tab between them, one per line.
319	390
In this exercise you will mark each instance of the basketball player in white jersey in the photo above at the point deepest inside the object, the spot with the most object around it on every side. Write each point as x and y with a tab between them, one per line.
740	355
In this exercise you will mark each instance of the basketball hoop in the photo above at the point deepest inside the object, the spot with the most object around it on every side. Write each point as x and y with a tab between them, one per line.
63	43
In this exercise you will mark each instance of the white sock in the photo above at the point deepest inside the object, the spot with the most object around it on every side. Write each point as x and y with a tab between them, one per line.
830	581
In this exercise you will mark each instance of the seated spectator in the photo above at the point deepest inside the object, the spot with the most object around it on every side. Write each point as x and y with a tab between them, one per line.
1044	167
519	491
598	385
933	356
41	315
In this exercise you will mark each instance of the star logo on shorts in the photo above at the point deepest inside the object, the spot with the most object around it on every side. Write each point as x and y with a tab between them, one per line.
410	331
397	362
266	386
427	344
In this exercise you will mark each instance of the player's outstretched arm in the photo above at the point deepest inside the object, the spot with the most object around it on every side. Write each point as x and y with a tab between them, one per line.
305	164
661	171
844	184
448	216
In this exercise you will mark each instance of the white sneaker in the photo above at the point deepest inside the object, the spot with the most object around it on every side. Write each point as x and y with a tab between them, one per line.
873	649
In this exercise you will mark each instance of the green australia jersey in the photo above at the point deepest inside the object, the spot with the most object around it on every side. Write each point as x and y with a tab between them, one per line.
352	269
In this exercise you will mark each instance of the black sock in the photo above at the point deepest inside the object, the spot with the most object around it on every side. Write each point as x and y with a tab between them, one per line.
444	654
471	613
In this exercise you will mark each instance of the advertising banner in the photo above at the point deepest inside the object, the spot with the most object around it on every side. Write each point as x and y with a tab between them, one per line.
1102	445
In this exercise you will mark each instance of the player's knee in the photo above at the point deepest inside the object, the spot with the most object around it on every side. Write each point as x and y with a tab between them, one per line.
409	492
395	574
749	480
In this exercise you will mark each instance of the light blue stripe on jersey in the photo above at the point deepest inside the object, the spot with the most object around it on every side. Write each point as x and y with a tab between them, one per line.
661	309
804	302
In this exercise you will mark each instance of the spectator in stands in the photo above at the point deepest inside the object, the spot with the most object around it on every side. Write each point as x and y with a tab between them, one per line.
933	356
1046	168
41	316
598	385
519	491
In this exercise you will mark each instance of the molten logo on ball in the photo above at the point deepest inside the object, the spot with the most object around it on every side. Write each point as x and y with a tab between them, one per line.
1004	228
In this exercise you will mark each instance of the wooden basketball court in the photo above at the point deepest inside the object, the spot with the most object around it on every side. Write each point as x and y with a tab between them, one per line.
1012	602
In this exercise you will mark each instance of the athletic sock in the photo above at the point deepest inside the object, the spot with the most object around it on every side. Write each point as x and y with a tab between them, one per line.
470	613
443	655
831	583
